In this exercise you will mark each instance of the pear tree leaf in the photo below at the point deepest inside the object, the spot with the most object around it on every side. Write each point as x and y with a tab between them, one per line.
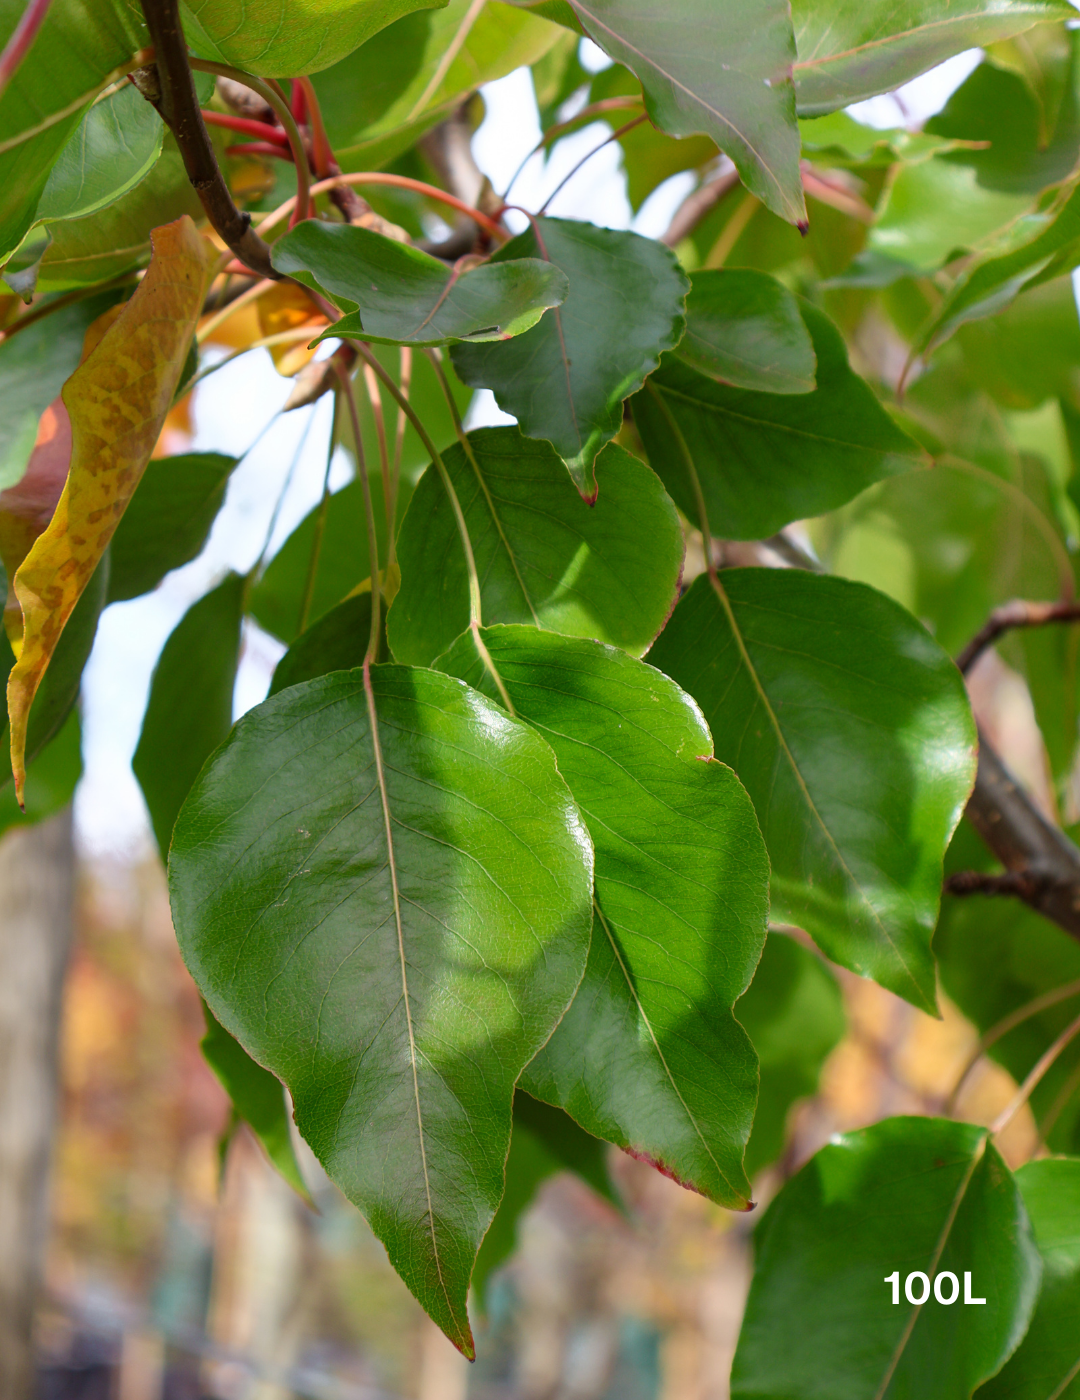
337	641
544	557
566	379
851	730
649	1055
393	292
908	1195
405	924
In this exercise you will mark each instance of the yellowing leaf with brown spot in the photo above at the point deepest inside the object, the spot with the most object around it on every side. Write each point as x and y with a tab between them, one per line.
117	401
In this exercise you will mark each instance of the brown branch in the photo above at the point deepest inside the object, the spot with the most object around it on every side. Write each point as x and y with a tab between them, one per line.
1018	613
697	204
1014	882
171	88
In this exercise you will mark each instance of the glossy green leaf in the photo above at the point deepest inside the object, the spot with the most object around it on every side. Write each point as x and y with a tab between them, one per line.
50	780
82	46
1047	1364
793	1013
338	641
257	1097
395	293
745	103
608	571
408	920
744	328
851	730
649	1055
545	1141
907	1195
852	49
419	70
340	557
190	708
167	521
288	38
765	459
34	365
565	381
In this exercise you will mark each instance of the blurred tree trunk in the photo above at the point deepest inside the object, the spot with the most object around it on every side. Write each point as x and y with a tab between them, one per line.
36	892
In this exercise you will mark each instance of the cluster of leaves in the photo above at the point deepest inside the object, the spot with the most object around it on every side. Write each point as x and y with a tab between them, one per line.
486	882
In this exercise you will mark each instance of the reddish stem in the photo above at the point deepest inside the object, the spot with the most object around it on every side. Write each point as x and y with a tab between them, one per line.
247	127
16	48
260	148
321	154
402	182
298	103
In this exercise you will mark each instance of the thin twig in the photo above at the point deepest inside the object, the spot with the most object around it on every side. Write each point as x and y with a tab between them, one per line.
1044	1063
369	514
1018	613
697	205
401	182
615	136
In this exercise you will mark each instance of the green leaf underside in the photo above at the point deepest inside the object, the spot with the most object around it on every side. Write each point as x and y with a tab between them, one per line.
851	730
545	1141
765	459
80	44
191	703
907	1194
167	521
565	380
337	641
408	921
649	1056
608	571
1047	1364
853	49
745	103
288	38
793	1014
398	294
257	1096
744	328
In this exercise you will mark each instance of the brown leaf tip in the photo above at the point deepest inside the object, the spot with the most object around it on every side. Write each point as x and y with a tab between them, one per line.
662	1168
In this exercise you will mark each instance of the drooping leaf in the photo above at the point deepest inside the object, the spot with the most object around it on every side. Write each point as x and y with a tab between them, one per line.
544	557
117	401
649	1055
545	1141
336	642
288	38
393	292
565	381
857	48
257	1096
1047	1363
793	1014
907	1195
765	459
407	924
167	520
745	102
744	328
851	730
82	46
190	709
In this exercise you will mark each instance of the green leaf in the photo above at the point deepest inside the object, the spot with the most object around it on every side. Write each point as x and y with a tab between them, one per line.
191	703
50	781
565	381
793	1013
257	1097
414	73
765	459
1029	351
82	46
1047	1363
745	103
288	38
336	642
395	293
649	1055
909	1194
608	571
744	328
277	600
34	365
545	1141
405	926
853	49
167	520
851	730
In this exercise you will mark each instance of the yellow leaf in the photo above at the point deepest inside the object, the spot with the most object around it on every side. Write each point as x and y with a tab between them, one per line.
286	307
117	401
